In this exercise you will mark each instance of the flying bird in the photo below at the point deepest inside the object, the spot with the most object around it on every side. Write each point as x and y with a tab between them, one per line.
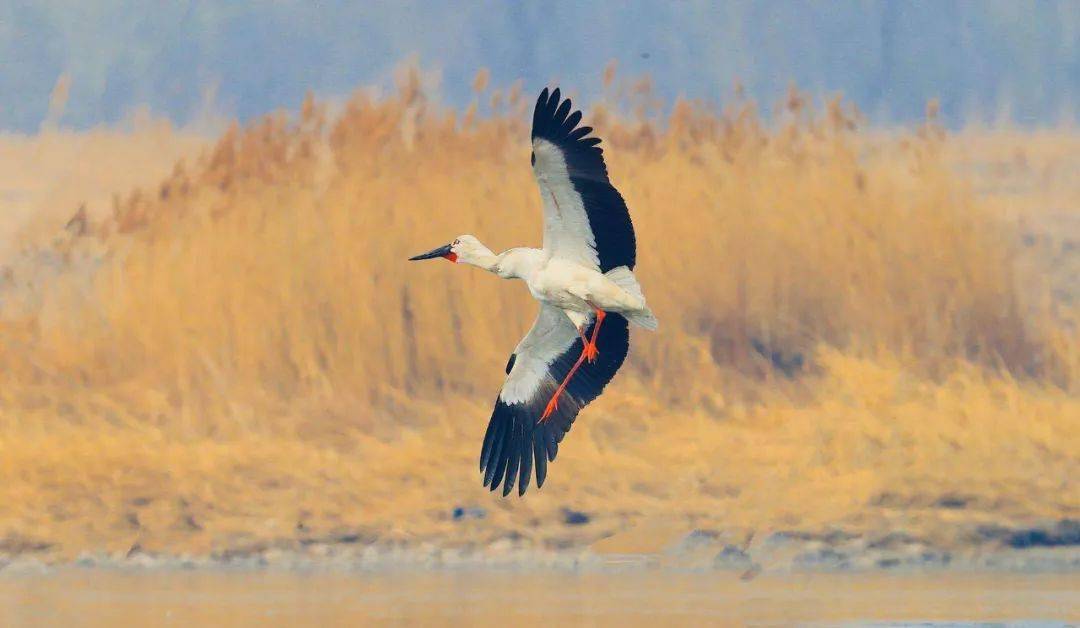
584	280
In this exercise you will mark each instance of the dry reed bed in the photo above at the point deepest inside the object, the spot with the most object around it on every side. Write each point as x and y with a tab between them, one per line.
847	339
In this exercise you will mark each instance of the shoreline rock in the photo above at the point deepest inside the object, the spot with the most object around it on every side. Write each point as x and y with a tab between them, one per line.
697	551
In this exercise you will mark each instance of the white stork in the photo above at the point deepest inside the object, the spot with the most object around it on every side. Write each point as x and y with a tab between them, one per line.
584	280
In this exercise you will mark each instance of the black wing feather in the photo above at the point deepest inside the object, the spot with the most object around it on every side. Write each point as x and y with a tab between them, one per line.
540	458
525	470
516	443
608	216
577	134
571	121
502	456
497	438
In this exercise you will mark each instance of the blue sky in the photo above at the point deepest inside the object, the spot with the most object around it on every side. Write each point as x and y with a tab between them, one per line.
984	60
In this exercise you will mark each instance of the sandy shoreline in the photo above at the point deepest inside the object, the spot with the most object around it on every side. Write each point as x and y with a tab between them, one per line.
1051	550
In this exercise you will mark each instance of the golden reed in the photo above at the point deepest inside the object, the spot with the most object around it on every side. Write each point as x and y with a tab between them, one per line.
240	355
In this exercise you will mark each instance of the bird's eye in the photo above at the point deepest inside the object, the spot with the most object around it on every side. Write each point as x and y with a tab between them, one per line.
532	158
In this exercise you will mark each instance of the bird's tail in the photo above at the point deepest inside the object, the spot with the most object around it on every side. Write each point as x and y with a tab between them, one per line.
625	279
644	319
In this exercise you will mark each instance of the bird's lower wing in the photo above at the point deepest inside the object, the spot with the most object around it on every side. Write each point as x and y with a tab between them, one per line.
517	442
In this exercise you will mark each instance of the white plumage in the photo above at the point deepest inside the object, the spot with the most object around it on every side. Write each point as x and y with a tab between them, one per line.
584	280
567	234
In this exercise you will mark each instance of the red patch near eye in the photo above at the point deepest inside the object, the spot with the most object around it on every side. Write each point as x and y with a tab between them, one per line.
451	256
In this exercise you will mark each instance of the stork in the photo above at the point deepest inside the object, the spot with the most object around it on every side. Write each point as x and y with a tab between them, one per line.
584	280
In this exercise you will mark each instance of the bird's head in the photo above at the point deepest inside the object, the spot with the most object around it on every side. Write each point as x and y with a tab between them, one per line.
464	249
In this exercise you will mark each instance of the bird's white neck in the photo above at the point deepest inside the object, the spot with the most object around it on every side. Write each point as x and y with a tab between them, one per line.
481	257
514	263
518	263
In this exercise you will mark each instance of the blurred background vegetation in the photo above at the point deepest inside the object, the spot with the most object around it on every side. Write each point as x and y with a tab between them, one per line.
210	341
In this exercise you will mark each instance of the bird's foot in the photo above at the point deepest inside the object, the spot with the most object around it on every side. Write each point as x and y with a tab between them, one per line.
591	352
552	406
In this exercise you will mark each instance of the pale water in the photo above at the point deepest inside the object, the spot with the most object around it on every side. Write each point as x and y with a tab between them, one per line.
515	598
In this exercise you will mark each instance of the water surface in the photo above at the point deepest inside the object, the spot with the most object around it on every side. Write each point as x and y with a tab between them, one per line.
650	598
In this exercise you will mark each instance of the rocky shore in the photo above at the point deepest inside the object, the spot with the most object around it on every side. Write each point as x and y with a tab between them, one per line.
1054	547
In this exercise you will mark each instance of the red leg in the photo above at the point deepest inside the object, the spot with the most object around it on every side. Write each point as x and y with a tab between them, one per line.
589	352
586	346
553	405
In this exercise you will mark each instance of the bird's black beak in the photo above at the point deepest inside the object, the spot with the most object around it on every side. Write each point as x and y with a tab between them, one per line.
442	251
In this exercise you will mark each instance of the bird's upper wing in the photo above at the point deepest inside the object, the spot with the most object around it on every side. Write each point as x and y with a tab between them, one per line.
516	442
585	218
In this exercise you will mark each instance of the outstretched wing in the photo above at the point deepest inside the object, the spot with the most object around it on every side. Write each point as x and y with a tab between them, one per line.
516	442
585	218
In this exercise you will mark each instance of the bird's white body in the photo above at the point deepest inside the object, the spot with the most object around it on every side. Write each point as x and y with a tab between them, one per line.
575	289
